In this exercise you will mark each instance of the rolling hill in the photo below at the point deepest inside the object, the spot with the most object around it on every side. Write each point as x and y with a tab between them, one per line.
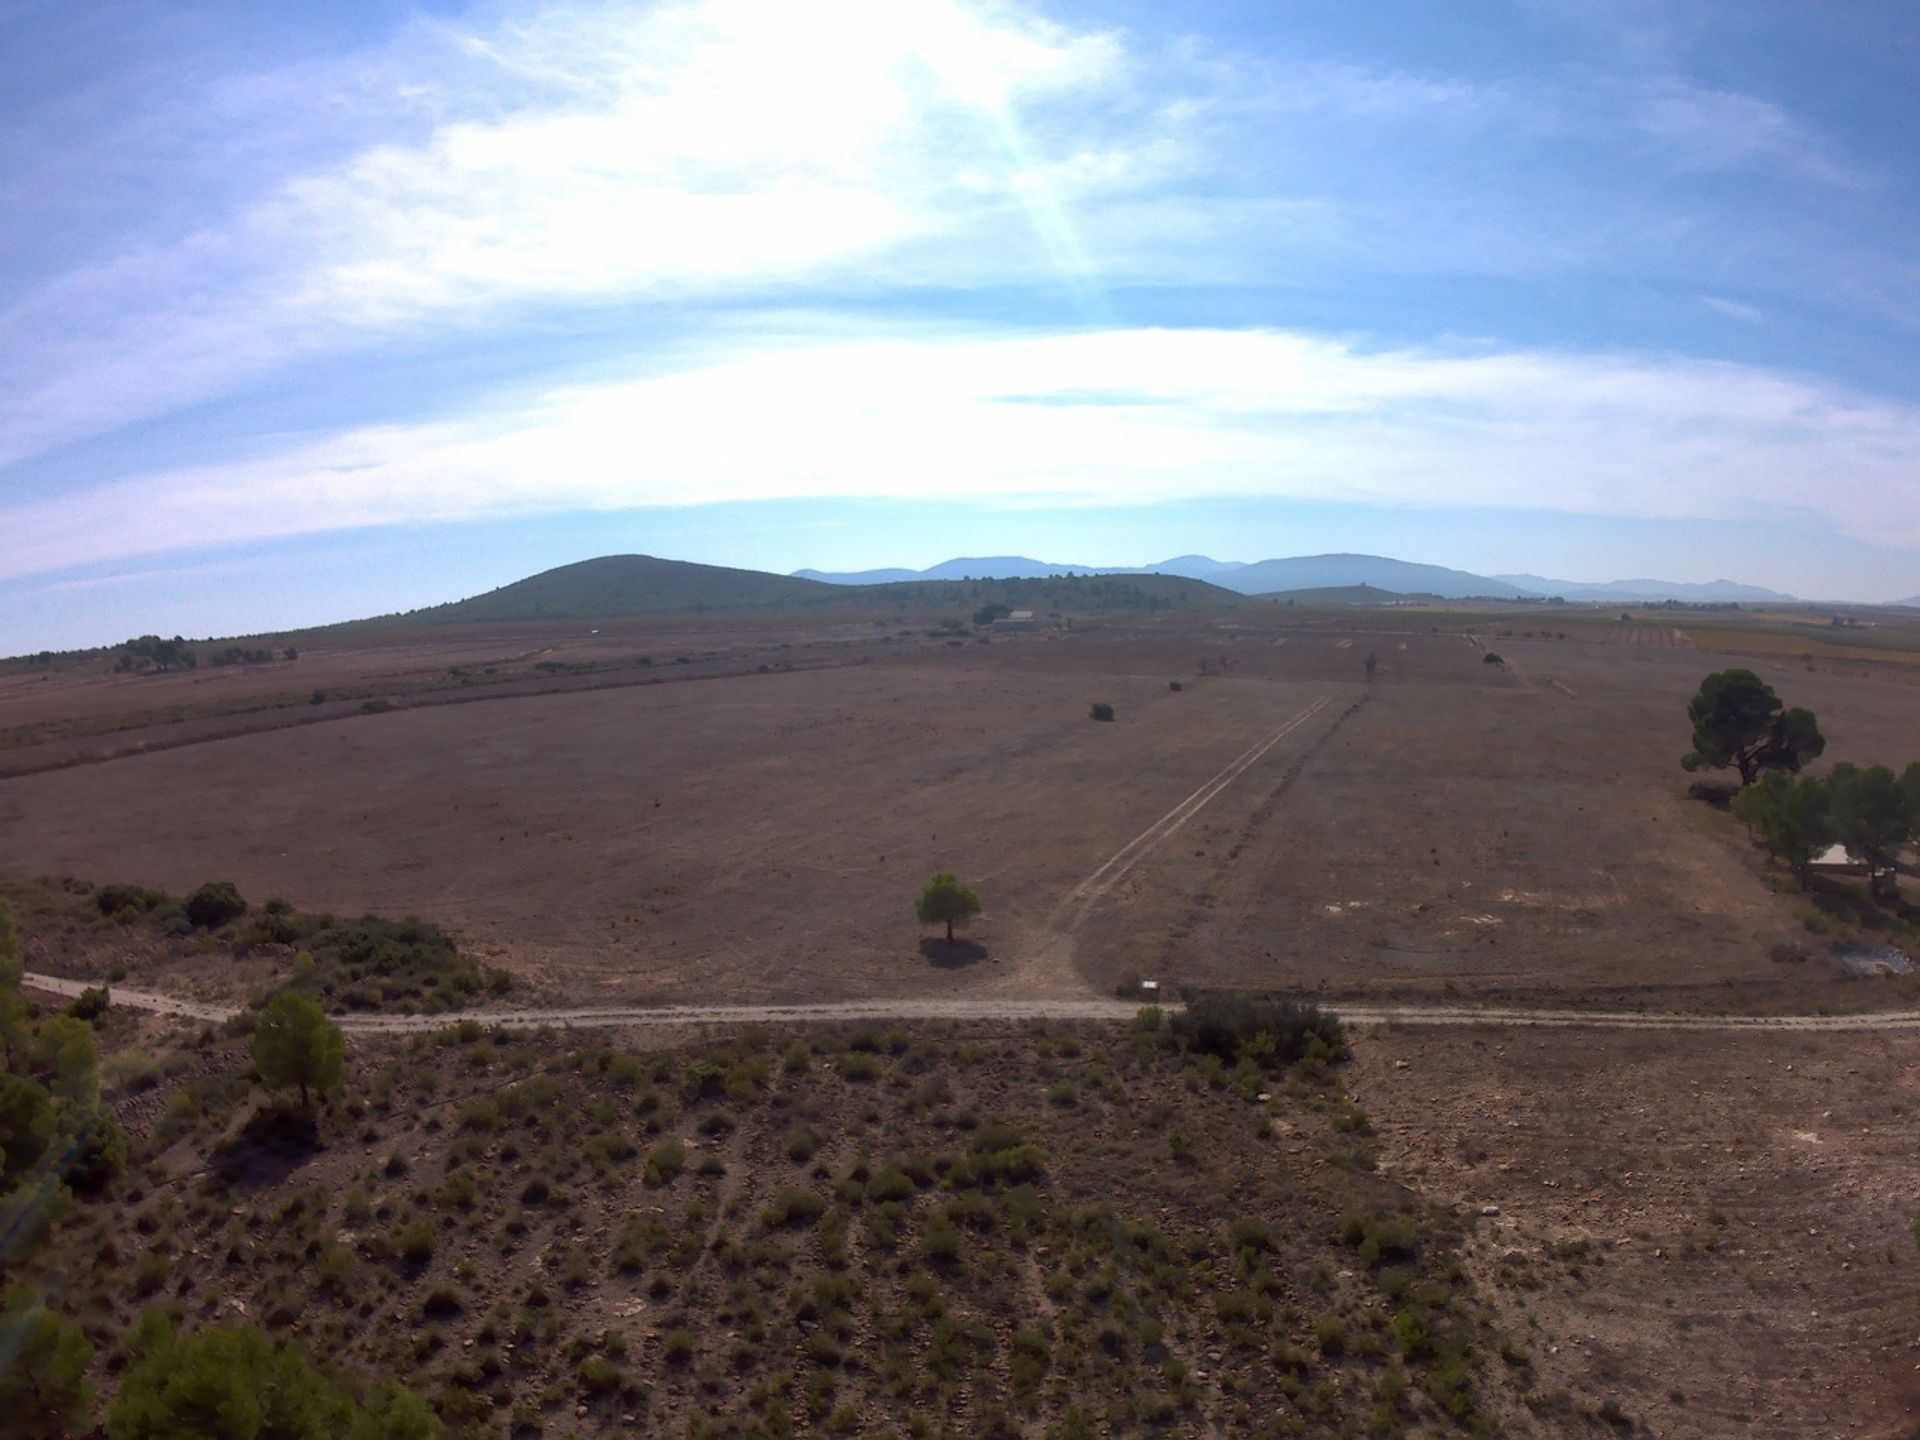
617	585
1320	572
630	585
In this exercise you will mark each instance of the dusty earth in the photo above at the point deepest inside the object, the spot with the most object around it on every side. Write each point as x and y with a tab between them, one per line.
1710	1228
1718	1233
1452	829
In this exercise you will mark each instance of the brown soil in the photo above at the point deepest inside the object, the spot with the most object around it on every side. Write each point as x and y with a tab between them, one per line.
1718	1233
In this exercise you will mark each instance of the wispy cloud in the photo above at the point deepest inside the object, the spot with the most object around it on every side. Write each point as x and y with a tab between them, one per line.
470	171
592	153
1128	416
1734	309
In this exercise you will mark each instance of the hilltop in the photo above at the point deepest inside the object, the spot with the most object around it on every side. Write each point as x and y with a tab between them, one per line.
618	585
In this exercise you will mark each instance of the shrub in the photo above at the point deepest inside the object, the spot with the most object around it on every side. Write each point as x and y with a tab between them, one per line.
90	1004
129	899
677	1346
216	903
414	1243
1251	1234
1100	710
793	1207
1269	1032
1492	657
1378	1238
664	1163
599	1375
802	1142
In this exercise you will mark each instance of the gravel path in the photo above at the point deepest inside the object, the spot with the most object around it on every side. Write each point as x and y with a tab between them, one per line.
934	1008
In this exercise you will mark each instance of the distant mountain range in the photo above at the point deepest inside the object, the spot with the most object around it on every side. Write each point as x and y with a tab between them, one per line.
1327	572
1705	592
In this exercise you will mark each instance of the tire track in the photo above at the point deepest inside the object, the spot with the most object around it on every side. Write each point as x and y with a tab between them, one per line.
1082	898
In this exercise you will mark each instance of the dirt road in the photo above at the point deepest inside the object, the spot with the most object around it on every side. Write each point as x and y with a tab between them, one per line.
936	1008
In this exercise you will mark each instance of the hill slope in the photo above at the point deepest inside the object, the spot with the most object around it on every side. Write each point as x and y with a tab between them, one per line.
1321	572
630	585
617	585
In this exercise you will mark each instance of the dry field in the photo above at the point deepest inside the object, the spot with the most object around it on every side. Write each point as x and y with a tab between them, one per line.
716	830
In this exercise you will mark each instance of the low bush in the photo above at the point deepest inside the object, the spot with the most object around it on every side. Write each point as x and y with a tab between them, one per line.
216	903
90	1004
793	1207
130	899
664	1162
1271	1033
1100	710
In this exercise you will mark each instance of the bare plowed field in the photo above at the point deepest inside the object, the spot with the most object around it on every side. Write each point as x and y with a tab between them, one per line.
756	838
716	831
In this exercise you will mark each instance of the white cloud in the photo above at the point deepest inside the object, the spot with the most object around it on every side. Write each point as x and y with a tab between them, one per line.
598	153
1122	416
764	152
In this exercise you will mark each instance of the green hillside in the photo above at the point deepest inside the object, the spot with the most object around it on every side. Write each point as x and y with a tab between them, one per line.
616	585
630	585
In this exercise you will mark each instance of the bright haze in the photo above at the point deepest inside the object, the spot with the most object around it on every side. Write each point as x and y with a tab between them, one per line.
318	311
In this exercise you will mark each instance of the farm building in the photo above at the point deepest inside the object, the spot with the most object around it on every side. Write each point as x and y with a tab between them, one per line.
1837	860
1015	623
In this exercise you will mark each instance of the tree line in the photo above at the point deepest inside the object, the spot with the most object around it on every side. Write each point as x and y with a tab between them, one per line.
1739	723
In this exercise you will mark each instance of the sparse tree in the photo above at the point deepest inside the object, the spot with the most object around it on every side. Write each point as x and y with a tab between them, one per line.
1872	818
1738	722
945	901
294	1043
1791	814
1372	663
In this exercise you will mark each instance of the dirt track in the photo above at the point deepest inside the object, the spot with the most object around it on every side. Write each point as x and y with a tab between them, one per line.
931	1008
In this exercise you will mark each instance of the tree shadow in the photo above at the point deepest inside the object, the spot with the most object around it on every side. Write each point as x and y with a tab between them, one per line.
953	954
1716	793
274	1142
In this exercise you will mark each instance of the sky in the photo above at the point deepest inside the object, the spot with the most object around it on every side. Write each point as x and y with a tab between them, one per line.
314	312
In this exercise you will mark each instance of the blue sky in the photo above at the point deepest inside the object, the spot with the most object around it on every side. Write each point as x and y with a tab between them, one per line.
312	312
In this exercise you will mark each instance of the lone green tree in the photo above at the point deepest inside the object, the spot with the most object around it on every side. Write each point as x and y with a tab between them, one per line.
294	1043
1872	818
1791	814
1738	721
945	901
